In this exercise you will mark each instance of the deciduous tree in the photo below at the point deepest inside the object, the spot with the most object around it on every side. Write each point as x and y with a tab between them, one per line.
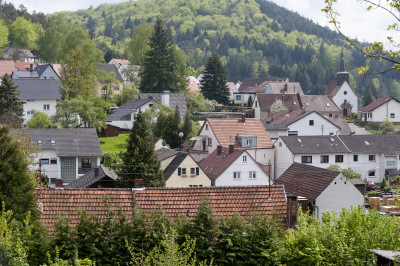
39	120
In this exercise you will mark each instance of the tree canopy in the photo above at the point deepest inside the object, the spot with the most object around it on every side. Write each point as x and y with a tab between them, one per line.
10	105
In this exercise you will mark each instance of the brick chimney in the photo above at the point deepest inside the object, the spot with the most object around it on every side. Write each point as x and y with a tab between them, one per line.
296	182
231	149
59	183
243	118
291	210
219	150
165	98
139	183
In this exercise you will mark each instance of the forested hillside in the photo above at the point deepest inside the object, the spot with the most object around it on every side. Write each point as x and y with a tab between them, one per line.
255	38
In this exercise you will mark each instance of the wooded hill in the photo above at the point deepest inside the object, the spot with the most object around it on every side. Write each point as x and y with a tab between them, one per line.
253	37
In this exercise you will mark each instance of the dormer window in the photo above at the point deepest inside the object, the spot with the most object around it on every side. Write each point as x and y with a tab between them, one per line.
247	140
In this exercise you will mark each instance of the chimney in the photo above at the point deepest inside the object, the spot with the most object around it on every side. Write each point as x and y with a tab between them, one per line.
96	171
231	149
291	210
165	98
139	183
243	118
31	67
59	183
296	182
219	150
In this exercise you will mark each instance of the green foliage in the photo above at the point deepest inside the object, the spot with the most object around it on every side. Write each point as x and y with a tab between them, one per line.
213	84
349	173
24	33
39	120
368	98
139	159
17	186
384	184
126	95
387	126
10	105
167	127
187	128
3	36
197	103
138	45
276	107
250	102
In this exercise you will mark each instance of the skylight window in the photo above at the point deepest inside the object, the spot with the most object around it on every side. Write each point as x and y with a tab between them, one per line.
366	142
331	139
327	104
53	141
299	140
39	141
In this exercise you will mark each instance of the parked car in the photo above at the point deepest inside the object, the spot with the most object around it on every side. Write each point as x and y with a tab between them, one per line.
371	185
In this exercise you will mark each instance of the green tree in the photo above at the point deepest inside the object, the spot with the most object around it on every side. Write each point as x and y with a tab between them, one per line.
387	126
250	102
213	84
167	127
368	98
276	107
39	120
3	35
138	45
24	33
139	159
10	105
347	172
17	187
187	128
160	66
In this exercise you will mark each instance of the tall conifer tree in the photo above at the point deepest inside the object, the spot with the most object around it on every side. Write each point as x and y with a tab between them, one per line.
10	105
139	159
213	84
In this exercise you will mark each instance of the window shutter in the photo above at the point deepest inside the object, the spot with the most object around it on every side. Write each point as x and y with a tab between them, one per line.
197	171
179	171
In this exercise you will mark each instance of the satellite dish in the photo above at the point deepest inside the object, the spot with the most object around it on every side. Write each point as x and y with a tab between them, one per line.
164	143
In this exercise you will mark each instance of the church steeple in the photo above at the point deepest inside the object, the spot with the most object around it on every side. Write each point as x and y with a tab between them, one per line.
342	75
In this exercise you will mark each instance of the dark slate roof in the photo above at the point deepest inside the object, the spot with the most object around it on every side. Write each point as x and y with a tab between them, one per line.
314	144
175	99
387	144
109	68
41	68
69	142
180	156
312	181
25	74
375	104
91	178
127	108
164	153
41	89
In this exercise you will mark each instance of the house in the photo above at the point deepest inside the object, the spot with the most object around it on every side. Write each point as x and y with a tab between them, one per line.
263	101
229	167
116	86
23	74
117	62
158	143
183	171
321	190
168	99
124	116
46	71
321	104
246	134
373	156
380	109
6	67
24	66
98	177
65	153
19	54
124	66
276	130
165	156
175	202
38	95
284	88
193	84
341	92
232	89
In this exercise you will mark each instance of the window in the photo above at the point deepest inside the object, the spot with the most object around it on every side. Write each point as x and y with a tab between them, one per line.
306	159
238	97
390	164
311	122
369	115
39	141
206	126
345	92
179	171
44	161
53	161
209	142
53	141
183	171
280	144
371	173
330	115
244	158
197	170
249	142
86	163
371	158
324	158
252	175
46	107
236	175
355	158
392	115
192	171
29	112
339	158
116	88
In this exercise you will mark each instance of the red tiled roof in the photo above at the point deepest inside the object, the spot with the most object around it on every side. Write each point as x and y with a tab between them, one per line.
312	180
214	165
226	130
6	67
378	102
121	61
331	88
251	85
23	65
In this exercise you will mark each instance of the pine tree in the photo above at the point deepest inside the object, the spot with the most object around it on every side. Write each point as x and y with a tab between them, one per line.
139	159
213	84
17	187
187	126
250	102
159	68
369	98
10	105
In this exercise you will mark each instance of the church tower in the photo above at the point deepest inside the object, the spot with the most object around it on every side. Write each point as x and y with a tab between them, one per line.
342	75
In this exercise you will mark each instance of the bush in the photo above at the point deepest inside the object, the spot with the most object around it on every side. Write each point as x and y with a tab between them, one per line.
383	184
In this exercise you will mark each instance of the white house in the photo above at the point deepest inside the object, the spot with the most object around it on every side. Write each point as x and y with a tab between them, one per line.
374	157
246	134
321	190
230	167
46	71
380	109
38	95
65	153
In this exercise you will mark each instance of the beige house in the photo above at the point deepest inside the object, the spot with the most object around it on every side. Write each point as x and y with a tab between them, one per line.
165	156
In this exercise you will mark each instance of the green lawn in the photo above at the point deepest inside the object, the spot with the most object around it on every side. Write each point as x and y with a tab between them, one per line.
114	144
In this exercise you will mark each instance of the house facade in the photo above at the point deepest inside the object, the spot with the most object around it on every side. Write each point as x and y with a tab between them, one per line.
46	71
65	153
381	109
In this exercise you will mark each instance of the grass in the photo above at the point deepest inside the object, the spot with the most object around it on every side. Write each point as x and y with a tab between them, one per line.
114	144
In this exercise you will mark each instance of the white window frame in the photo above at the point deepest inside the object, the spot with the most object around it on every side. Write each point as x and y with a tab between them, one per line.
372	158
244	158
252	175
236	175
46	107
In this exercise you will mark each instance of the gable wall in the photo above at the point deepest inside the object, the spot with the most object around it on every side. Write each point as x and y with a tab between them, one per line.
185	181
383	111
166	162
37	105
129	124
49	74
350	97
321	126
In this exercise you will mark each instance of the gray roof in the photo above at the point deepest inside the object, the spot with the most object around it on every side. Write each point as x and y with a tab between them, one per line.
25	75
275	127
41	68
164	153
127	108
387	254
358	182
69	142
314	144
175	99
111	68
40	89
91	178
286	87
174	164
386	144
319	103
